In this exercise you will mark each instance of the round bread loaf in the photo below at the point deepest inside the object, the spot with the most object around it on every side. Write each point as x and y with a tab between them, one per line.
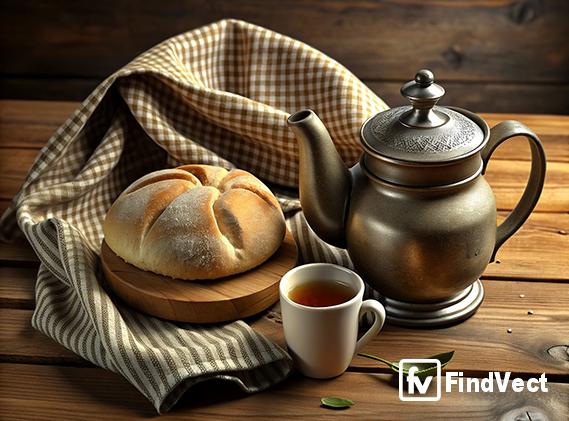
195	222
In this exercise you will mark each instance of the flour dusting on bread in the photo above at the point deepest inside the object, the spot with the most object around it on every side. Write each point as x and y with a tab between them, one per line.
195	222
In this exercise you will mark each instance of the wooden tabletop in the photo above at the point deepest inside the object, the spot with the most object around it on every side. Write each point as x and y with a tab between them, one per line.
40	379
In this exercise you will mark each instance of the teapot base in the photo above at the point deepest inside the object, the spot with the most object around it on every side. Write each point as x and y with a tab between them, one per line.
451	311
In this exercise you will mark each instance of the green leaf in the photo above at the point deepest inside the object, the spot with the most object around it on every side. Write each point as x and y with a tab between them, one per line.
425	369
336	402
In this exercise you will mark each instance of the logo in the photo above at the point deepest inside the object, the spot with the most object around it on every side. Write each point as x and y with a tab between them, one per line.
416	386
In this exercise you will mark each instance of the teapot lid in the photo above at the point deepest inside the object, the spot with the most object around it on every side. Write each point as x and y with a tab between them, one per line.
422	132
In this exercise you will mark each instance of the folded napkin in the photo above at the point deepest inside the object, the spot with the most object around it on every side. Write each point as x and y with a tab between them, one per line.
217	95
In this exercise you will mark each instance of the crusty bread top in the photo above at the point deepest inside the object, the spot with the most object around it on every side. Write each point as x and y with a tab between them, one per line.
195	222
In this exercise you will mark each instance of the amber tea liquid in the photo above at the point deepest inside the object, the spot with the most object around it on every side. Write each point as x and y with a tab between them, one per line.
321	293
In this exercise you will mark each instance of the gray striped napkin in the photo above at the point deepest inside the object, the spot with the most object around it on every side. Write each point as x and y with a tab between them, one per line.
217	95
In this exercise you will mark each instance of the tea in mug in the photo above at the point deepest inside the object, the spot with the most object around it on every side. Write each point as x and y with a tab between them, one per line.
321	293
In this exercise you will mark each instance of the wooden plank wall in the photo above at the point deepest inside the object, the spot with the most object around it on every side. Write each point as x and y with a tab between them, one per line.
493	55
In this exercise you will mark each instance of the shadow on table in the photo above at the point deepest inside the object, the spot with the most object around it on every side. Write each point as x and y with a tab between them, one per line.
105	391
109	392
210	393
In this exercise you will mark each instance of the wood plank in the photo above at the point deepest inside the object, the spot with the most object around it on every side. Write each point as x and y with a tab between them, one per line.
481	343
496	97
517	148
55	112
475	96
27	124
552	130
541	124
508	179
69	393
467	40
18	253
15	164
545	232
538	251
22	343
50	88
17	287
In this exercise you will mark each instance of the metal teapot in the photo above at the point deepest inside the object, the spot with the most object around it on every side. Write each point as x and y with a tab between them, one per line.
415	213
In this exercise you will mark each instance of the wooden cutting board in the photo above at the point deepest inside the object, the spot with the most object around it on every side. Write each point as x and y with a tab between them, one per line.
209	301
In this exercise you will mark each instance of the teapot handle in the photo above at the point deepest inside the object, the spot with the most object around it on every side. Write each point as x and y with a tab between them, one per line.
523	209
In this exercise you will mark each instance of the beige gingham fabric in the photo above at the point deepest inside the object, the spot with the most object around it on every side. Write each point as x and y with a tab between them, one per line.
217	95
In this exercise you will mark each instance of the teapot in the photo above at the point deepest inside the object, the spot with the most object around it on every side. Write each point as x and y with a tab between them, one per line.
415	213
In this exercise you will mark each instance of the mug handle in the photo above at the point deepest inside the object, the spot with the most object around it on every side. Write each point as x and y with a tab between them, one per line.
375	307
523	209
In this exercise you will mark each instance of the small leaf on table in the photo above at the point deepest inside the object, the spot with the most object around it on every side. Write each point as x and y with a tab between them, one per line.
425	369
336	402
428	369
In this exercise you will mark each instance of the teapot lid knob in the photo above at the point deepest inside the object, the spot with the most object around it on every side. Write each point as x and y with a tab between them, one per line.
424	77
423	93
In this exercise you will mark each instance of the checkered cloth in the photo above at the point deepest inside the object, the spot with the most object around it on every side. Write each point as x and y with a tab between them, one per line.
218	95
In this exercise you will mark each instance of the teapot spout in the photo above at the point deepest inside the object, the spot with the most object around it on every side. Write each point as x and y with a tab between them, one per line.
324	179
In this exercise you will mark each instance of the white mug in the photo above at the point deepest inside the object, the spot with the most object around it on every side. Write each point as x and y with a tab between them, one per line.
323	340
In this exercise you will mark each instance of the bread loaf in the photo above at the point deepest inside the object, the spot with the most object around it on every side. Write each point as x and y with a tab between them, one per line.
195	222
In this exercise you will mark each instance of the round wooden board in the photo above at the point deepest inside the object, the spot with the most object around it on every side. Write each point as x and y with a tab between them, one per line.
208	301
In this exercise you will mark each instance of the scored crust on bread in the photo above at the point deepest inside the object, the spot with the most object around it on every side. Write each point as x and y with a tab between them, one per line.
195	222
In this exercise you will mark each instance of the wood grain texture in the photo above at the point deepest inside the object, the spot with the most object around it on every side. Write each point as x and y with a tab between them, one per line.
17	287
524	351
506	173
507	178
493	55
39	379
538	251
210	301
465	40
56	89
18	253
21	343
482	342
541	124
15	164
497	97
517	149
512	97
546	232
70	393
30	125
552	130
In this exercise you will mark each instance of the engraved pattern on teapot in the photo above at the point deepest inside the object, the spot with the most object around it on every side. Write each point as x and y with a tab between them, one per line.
427	143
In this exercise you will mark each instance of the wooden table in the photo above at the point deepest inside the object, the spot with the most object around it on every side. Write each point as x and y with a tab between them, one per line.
41	380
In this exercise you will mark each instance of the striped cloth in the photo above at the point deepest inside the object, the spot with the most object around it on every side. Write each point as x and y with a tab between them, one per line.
217	95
